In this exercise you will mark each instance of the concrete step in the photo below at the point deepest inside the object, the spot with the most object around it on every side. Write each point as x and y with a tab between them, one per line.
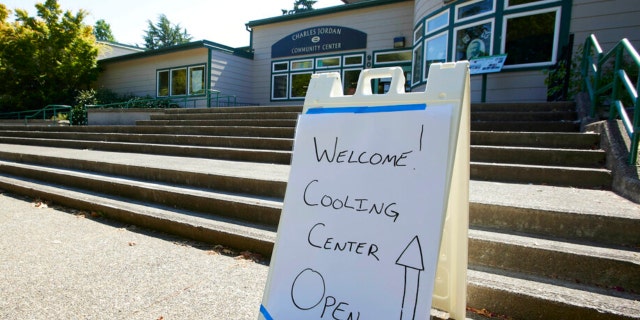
591	265
226	116
524	107
265	132
524	116
160	205
248	208
230	122
257	179
574	215
564	140
539	156
192	140
297	109
520	297
237	154
233	233
528	126
589	178
561	176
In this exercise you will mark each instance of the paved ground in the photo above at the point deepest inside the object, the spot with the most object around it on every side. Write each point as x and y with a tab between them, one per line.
63	264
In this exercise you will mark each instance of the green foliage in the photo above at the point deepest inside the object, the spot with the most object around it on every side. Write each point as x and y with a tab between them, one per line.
44	59
164	34
555	79
102	31
300	6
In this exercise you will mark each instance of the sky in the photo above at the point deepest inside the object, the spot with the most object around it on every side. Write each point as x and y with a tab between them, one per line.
221	21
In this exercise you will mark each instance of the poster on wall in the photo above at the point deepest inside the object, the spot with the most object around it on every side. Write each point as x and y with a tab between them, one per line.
473	42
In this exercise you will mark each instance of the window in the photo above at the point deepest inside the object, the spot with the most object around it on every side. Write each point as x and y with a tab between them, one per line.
290	79
435	51
473	41
178	82
302	64
300	84
279	83
417	64
323	63
196	80
531	39
529	32
163	84
353	60
280	66
350	80
514	3
181	81
474	8
418	33
392	57
438	22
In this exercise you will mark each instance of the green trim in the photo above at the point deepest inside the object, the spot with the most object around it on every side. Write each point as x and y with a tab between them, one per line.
323	11
242	52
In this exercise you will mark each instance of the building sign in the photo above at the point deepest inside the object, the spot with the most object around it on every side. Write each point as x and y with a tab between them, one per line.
488	64
319	39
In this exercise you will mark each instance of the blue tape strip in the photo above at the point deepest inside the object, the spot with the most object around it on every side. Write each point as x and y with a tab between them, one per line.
265	313
366	109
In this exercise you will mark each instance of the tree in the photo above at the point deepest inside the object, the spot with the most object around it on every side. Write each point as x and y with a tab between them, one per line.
44	59
300	6
163	34
102	31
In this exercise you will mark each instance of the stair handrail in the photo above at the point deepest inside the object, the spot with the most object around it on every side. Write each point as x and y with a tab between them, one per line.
593	60
32	114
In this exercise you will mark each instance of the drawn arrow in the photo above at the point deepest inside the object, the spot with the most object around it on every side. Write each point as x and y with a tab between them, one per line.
411	260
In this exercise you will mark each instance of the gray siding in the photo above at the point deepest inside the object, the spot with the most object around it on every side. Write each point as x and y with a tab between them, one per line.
609	20
138	76
231	75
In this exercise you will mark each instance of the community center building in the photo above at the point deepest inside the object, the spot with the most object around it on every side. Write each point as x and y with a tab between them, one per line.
284	51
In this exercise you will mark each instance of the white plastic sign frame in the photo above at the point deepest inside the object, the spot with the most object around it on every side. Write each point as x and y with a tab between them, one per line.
304	281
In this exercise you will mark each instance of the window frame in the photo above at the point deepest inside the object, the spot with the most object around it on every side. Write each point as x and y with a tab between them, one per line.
341	68
188	84
286	88
424	54
477	16
556	36
470	25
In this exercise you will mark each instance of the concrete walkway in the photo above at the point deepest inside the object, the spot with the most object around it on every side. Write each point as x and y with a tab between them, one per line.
57	263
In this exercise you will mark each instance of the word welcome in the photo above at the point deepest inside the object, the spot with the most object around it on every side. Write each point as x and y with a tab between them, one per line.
339	156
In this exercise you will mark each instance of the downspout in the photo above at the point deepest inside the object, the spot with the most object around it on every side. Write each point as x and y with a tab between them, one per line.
208	77
250	37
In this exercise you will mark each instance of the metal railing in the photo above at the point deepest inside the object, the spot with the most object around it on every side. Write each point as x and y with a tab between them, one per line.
212	99
48	112
595	63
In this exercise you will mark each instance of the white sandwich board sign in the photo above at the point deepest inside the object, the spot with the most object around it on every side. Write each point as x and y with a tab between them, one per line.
369	189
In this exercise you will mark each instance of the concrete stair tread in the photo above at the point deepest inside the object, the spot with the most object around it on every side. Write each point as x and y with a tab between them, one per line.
561	301
155	186
261	131
227	116
250	170
228	122
193	225
622	255
212	152
552	198
566	140
608	268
